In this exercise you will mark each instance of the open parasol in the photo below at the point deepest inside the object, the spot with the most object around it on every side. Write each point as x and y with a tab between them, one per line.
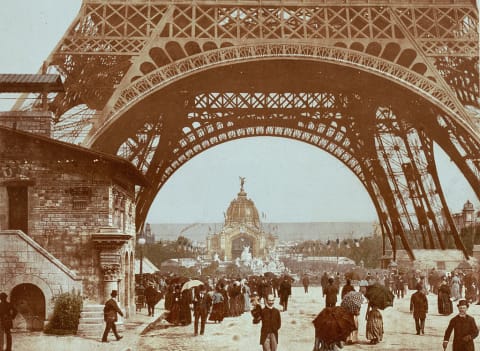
352	302
269	275
191	284
333	324
177	280
379	295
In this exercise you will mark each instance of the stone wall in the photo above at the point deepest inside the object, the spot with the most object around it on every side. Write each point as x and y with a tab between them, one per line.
71	195
66	207
22	261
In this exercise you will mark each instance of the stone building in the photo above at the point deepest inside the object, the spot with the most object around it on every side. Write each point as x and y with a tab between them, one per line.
242	231
67	220
467	218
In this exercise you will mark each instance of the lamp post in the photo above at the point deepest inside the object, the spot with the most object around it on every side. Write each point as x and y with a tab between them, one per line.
141	243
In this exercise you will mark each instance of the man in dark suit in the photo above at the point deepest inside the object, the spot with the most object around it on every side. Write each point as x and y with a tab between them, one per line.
464	327
201	305
110	312
7	315
419	308
284	292
331	293
306	283
151	297
271	323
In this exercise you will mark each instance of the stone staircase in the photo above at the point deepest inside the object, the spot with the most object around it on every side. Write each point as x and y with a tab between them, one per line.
91	324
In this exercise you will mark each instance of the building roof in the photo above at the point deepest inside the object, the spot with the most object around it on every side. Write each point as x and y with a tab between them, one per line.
30	83
70	151
432	255
147	266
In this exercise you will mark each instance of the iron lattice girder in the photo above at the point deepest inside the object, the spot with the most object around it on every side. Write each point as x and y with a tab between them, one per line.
124	28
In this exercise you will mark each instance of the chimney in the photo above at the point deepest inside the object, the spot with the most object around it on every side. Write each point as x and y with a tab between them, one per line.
36	122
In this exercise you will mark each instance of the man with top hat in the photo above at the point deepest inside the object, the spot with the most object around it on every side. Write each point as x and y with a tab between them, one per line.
464	328
201	305
419	308
110	312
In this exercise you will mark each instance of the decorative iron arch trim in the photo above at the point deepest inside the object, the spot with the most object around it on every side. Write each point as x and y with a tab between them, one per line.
125	98
351	162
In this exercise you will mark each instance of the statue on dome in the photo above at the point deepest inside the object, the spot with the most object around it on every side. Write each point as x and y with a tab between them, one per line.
242	183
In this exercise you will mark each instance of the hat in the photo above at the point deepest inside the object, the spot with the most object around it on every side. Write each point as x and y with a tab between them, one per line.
114	293
3	296
462	303
419	286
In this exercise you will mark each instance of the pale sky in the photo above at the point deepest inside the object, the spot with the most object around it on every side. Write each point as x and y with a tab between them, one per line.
288	180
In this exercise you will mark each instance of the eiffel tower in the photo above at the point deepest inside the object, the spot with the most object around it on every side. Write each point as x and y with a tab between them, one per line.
375	83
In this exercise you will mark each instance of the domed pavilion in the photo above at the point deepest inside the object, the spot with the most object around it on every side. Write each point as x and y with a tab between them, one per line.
241	232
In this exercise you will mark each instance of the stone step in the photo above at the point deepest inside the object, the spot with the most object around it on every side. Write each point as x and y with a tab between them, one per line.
92	308
91	323
91	320
91	315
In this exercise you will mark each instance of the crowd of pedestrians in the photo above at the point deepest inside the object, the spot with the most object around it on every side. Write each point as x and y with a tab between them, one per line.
217	299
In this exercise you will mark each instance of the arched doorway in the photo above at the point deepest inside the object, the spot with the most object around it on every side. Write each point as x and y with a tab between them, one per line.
239	243
29	301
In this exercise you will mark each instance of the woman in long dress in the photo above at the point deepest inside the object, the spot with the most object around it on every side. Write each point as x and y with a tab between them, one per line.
445	306
374	324
246	297
455	287
217	307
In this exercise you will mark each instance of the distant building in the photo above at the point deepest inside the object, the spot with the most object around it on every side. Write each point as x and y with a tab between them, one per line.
242	229
467	218
341	260
445	260
173	264
149	235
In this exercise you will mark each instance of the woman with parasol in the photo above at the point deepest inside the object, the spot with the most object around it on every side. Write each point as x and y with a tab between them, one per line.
374	324
352	302
173	316
332	327
379	297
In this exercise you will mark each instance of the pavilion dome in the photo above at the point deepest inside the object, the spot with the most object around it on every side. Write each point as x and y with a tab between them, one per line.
242	211
468	206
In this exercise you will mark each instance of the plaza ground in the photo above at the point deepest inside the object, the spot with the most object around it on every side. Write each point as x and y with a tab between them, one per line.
239	333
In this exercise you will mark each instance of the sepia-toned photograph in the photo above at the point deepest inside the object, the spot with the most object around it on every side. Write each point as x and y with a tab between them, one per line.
231	175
